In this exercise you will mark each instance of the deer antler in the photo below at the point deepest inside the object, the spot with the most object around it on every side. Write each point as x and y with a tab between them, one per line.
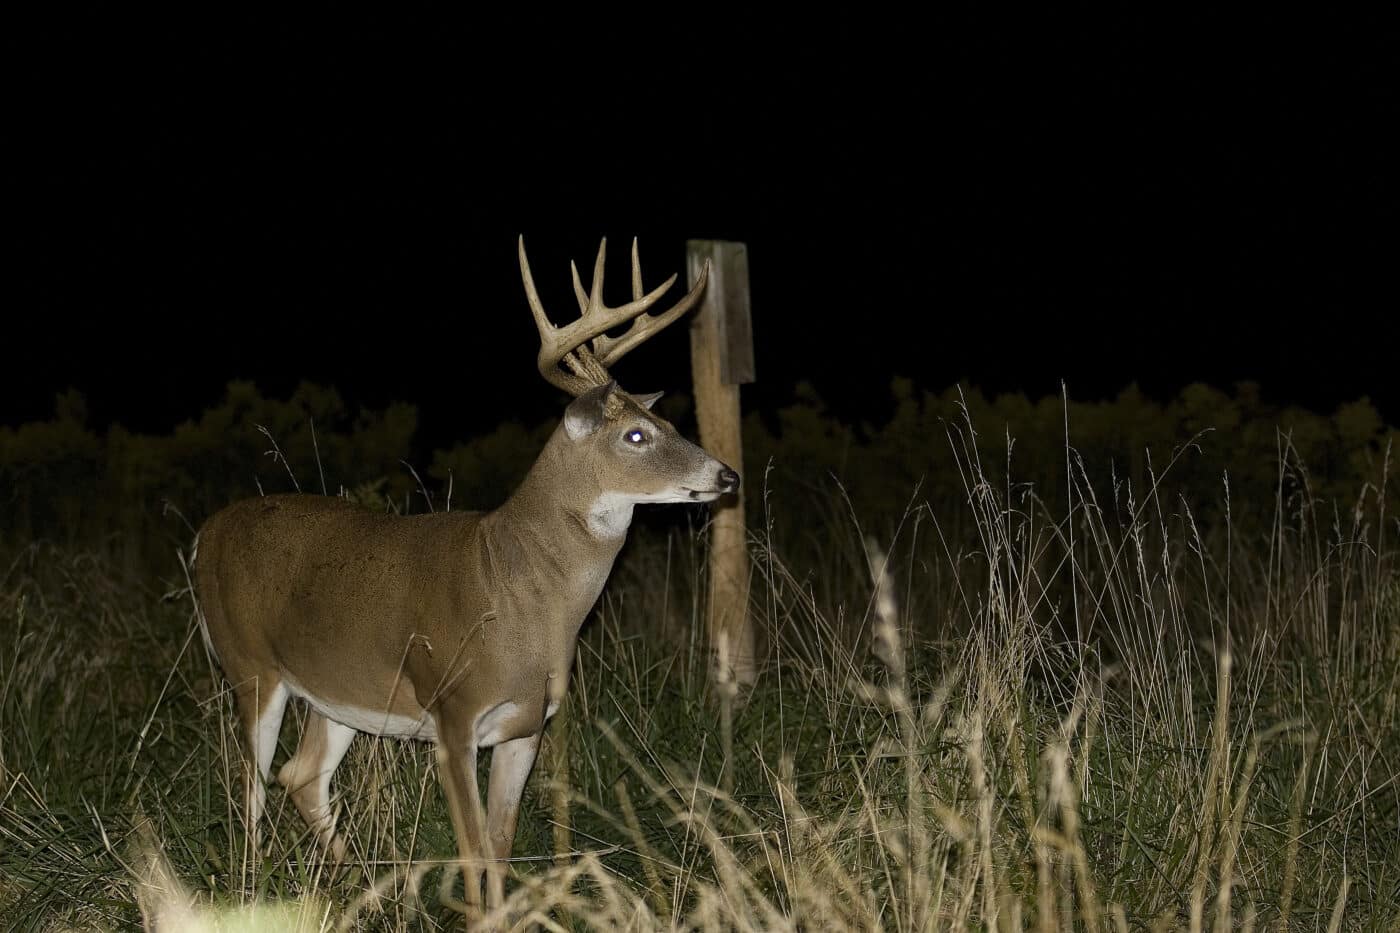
584	346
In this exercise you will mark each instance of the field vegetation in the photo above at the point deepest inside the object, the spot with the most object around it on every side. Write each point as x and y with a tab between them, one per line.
1043	665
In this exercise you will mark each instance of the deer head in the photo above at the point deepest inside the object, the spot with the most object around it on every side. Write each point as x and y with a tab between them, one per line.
632	454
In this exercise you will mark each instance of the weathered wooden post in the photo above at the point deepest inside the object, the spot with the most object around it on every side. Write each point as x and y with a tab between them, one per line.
721	353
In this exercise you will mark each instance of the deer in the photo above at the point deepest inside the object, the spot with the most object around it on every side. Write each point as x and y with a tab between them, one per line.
456	628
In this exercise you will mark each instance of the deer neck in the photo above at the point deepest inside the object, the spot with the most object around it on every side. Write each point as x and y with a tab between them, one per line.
570	528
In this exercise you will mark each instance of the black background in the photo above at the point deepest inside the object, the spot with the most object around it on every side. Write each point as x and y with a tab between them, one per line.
1007	203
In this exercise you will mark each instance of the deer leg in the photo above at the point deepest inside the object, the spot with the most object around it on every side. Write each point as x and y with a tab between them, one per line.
456	754
261	702
307	777
510	768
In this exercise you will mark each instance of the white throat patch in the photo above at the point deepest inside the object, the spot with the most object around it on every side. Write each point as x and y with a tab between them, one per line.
611	515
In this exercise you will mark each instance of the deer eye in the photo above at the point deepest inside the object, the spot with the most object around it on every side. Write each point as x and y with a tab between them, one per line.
635	436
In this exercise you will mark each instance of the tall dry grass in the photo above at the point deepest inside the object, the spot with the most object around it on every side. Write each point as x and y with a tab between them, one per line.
1110	718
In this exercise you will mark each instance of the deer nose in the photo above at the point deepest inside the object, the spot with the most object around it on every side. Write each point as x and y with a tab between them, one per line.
728	479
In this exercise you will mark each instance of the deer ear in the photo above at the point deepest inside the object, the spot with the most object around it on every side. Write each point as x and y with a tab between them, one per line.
587	413
648	400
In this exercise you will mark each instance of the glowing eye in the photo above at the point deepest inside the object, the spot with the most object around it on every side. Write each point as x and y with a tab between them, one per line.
635	437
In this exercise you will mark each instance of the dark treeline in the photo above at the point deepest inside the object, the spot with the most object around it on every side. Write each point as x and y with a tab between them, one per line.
63	481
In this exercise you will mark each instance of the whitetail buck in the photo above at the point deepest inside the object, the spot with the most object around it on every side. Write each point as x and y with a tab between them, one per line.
455	627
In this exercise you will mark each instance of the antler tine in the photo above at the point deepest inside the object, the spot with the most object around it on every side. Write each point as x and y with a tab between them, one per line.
595	297
552	348
611	349
636	273
542	322
579	293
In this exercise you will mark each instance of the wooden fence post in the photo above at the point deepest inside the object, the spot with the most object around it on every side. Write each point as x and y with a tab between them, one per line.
721	353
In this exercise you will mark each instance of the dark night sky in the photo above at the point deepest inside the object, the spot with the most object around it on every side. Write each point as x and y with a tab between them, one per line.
338	200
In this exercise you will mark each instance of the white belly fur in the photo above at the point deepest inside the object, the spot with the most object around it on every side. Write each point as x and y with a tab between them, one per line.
375	722
378	722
